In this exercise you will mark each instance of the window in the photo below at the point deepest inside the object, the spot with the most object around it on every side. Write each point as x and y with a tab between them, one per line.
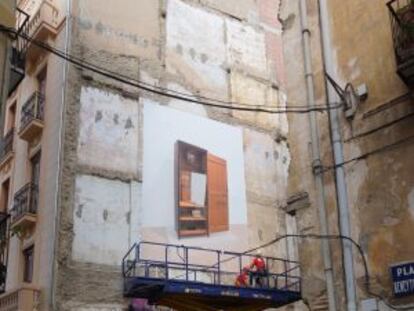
28	256
34	180
35	169
11	118
4	199
41	80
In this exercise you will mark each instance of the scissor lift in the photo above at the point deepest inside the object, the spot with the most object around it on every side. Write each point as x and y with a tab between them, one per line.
194	278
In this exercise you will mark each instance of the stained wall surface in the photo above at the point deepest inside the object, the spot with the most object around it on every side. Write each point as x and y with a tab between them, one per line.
377	144
116	134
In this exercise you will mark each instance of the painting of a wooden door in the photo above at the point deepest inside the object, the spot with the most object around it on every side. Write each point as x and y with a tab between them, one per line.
218	212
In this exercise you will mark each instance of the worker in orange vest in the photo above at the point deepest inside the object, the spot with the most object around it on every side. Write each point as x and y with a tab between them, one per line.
258	270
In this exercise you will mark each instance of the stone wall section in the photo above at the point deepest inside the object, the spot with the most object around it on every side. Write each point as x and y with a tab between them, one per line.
226	50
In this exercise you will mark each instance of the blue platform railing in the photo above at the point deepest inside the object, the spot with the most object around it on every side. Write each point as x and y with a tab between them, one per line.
170	262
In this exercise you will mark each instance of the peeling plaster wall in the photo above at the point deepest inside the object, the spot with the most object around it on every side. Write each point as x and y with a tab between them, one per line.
379	185
250	56
105	219
195	55
109	127
228	50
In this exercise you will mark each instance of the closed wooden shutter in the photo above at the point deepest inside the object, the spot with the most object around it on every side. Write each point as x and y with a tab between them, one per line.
218	211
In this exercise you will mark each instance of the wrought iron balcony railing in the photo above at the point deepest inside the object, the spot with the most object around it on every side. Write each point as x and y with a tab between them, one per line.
26	201
6	144
32	110
18	55
402	27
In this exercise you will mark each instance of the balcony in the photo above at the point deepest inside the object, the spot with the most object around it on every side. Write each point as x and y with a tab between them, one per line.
31	122
6	149
23	213
18	57
25	298
402	26
43	24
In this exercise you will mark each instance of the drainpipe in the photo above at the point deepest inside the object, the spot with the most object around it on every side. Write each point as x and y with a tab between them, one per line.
341	188
316	157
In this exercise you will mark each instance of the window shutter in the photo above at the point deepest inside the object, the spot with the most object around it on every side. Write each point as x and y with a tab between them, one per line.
218	211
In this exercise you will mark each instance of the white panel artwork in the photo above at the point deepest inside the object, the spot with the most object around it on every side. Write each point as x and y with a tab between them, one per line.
163	126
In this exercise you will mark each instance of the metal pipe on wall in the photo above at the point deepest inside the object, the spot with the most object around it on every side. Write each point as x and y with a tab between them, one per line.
316	157
341	187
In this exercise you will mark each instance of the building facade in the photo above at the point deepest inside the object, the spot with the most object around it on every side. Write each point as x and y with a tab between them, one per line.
91	169
369	49
29	157
112	146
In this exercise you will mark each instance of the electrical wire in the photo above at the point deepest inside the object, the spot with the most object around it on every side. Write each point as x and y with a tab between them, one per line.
409	139
163	91
381	127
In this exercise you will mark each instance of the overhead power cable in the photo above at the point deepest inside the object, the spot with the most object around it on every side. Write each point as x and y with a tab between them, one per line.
167	92
408	140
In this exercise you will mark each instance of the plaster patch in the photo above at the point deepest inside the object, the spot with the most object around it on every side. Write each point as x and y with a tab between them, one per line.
247	90
267	176
108	136
183	105
202	54
252	55
112	26
102	233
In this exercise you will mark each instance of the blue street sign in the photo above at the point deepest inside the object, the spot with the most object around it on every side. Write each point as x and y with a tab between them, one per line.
403	279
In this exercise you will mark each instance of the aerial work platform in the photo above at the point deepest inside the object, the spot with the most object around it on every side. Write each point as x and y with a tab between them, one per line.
194	278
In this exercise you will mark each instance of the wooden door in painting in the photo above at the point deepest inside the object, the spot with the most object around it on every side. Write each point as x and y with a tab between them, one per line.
218	211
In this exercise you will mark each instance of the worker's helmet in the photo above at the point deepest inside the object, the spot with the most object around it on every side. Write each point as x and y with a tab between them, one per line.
259	253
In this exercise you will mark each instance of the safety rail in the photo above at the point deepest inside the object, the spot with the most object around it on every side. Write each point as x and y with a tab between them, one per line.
214	267
32	110
18	52
25	201
22	21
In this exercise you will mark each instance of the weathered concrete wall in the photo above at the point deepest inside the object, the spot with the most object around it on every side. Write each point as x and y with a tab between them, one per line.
379	184
225	50
109	126
105	220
